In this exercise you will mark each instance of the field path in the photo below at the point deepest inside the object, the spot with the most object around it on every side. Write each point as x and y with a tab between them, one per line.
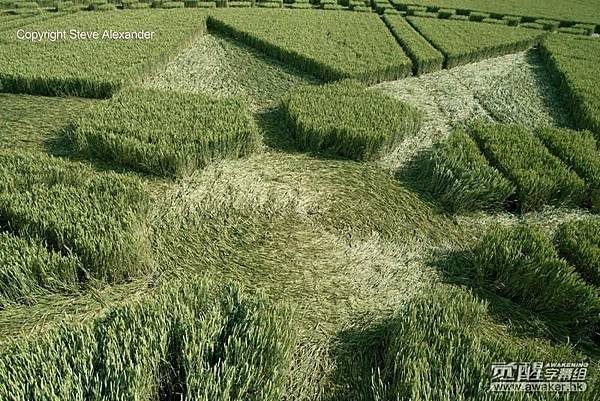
508	89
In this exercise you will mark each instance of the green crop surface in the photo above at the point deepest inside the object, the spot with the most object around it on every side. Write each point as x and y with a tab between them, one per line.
579	243
425	57
346	119
166	133
11	22
574	63
28	269
98	218
6	19
460	347
189	339
576	11
462	179
330	45
91	67
464	42
260	203
35	123
579	150
521	264
540	177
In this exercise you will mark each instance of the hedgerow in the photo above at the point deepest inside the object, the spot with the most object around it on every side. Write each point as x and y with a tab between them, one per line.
512	20
462	179
549	25
540	177
171	4
442	345
495	21
532	25
411	9
25	4
185	340
464	42
29	269
520	263
573	31
166	133
94	68
446	12
459	17
588	28
425	57
579	150
574	63
579	243
347	119
478	16
100	218
330	45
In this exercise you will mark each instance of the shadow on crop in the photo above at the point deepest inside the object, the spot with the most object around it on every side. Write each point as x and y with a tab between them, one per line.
458	268
411	176
359	355
277	135
549	89
60	145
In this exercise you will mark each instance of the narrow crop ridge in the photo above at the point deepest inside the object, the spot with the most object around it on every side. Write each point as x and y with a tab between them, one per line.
100	218
521	264
464	42
166	133
579	243
531	10
540	177
574	63
330	45
425	57
442	345
462	179
579	151
348	120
